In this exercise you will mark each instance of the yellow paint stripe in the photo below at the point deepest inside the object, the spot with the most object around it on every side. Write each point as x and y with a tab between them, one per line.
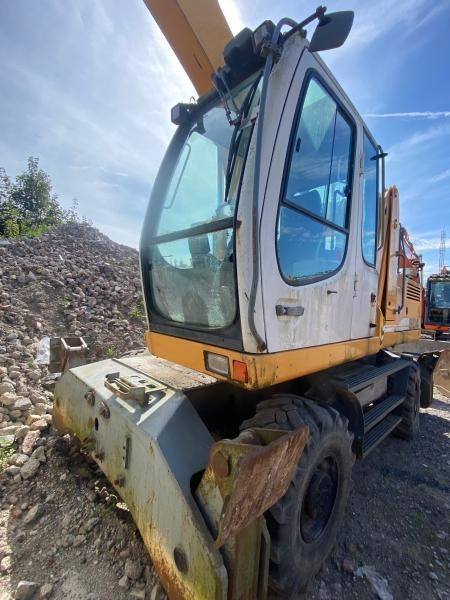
268	369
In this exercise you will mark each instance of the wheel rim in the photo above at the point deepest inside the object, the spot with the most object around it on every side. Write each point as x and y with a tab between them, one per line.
319	500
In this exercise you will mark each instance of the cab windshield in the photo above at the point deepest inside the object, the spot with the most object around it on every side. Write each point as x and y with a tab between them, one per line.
438	312
440	294
191	255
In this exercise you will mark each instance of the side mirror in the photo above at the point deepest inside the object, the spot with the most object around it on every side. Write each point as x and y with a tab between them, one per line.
332	31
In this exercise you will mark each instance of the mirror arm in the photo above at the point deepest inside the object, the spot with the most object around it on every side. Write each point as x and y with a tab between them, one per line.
318	14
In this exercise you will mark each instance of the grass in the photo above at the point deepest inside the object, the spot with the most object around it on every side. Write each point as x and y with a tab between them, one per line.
65	301
109	507
110	351
5	452
138	312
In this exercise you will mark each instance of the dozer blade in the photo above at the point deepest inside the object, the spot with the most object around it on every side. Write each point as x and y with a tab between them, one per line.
149	451
440	370
442	373
156	451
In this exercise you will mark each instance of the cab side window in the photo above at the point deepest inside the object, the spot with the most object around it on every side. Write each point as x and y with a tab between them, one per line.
313	219
369	203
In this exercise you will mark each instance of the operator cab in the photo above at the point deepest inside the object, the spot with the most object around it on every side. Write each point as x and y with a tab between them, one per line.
263	229
437	312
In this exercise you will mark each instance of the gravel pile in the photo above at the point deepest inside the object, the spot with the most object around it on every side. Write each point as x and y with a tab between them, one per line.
63	531
73	280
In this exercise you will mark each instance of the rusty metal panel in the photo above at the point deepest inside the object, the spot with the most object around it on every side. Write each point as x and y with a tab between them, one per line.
442	373
262	477
66	353
170	373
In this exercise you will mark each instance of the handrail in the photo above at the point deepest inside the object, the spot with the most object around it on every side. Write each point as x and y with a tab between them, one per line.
402	244
381	155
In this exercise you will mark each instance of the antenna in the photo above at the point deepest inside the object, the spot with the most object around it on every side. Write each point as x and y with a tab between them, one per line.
442	252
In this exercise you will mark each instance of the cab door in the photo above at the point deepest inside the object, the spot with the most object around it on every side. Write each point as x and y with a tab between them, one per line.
366	274
307	245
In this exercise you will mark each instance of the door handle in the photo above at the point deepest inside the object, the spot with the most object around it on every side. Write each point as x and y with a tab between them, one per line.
283	310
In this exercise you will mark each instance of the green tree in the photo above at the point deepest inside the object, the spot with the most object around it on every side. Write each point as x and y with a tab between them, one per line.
29	207
9	214
32	195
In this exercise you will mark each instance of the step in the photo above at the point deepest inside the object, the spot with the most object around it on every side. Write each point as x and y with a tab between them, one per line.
378	433
368	374
375	414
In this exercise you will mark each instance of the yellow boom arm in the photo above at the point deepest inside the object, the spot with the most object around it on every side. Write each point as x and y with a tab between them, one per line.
197	31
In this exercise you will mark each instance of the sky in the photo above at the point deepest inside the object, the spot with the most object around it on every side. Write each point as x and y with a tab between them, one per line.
87	86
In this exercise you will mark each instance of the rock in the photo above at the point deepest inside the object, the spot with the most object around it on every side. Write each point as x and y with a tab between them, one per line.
9	430
39	424
79	539
22	432
133	569
8	398
40	408
351	548
6	440
22	404
16	513
156	593
138	593
5	387
432	575
39	454
18	459
378	583
34	514
45	591
348	566
123	582
30	468
90	524
66	521
5	565
12	471
29	441
25	590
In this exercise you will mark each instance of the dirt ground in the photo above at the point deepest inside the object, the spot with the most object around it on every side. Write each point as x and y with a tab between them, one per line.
80	545
397	520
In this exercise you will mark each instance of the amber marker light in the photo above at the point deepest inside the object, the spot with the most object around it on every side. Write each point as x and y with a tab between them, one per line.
240	372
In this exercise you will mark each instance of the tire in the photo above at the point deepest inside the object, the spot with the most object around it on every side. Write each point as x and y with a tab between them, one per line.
410	409
302	535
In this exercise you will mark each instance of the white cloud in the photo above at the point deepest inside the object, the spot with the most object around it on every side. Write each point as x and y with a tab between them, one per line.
417	141
410	115
426	244
441	176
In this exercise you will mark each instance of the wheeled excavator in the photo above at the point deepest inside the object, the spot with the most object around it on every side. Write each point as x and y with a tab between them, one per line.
276	289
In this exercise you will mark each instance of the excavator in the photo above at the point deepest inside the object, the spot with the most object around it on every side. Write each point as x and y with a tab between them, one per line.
276	286
436	317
